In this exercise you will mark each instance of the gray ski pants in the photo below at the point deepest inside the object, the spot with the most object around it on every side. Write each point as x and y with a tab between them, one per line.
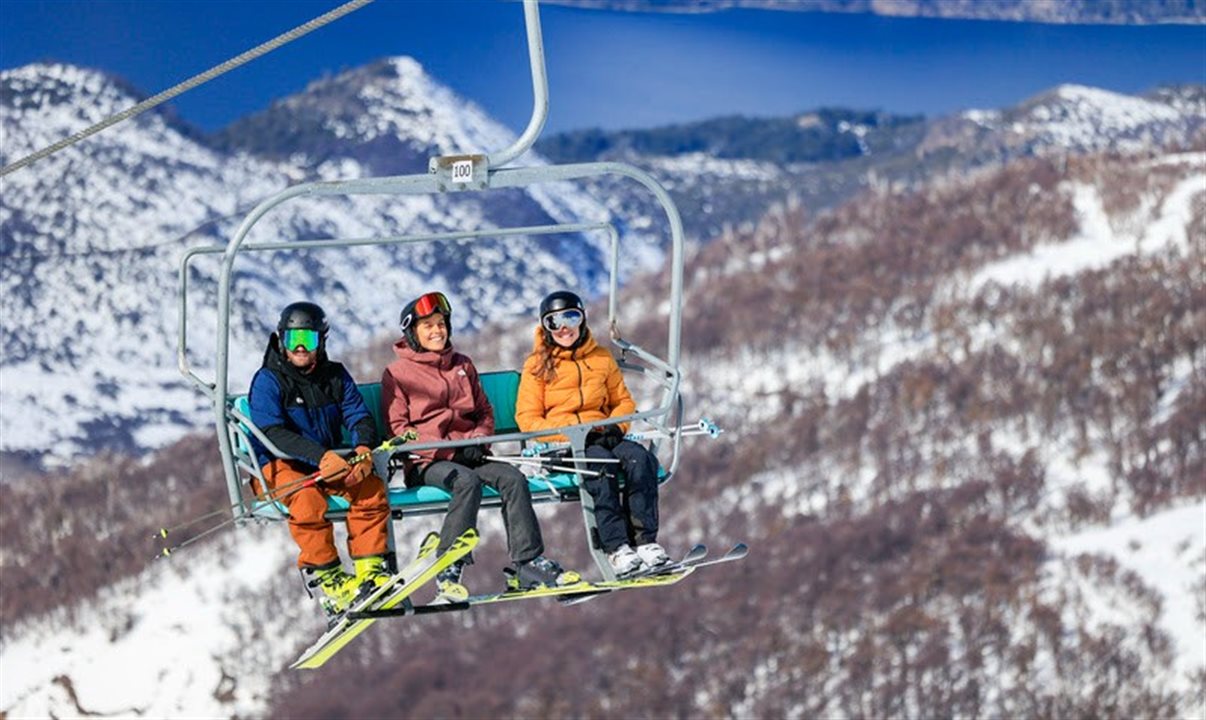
524	541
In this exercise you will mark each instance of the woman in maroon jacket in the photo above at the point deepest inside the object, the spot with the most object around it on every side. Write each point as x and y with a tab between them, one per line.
435	391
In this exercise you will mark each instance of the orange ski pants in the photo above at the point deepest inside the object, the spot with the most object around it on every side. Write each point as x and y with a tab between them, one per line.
313	533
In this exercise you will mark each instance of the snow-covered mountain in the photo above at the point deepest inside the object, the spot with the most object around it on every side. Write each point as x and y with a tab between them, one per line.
963	419
727	172
1075	119
92	237
964	442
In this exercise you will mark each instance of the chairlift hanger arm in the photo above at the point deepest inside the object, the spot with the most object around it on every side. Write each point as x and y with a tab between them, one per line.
540	89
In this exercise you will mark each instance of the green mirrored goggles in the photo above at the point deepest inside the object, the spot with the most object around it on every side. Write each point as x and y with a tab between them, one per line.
300	337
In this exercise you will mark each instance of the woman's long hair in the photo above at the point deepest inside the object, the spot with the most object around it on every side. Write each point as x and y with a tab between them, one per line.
547	369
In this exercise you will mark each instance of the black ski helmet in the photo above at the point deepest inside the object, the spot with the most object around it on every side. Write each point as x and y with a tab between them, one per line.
412	313
303	316
562	300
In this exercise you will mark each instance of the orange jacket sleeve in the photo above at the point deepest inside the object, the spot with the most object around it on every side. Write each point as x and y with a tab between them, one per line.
530	409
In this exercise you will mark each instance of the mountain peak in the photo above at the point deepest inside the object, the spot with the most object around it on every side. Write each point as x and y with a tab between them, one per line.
91	94
390	115
1078	111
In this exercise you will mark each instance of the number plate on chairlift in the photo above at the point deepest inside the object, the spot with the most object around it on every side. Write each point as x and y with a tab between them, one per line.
461	172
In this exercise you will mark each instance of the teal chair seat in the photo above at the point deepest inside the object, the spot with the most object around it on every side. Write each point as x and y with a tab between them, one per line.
501	389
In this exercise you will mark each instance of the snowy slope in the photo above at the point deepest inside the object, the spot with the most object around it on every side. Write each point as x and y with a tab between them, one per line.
93	236
1075	119
190	636
1168	551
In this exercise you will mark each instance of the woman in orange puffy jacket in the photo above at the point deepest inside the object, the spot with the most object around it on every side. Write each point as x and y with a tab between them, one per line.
568	380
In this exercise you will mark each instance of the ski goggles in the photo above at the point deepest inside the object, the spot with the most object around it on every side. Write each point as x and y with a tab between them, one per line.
300	337
428	304
556	320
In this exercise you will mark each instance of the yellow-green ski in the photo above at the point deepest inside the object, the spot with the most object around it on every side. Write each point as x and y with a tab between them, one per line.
584	587
414	576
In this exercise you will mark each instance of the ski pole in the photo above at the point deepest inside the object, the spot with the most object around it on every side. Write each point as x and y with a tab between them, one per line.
260	497
561	468
539	459
277	494
529	461
389	444
703	427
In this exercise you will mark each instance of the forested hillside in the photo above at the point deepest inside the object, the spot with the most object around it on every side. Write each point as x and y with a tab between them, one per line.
920	420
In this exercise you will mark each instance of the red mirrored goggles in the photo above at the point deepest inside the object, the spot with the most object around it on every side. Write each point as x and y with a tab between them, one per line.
430	303
427	304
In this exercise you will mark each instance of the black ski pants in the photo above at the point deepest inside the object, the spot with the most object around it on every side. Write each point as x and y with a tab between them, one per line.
627	515
524	541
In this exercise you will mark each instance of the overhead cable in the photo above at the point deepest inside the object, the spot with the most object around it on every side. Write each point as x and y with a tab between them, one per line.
191	83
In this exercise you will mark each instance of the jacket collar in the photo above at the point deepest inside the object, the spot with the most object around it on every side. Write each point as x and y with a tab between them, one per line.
441	359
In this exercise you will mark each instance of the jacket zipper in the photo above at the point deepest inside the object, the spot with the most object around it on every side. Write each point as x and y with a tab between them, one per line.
581	395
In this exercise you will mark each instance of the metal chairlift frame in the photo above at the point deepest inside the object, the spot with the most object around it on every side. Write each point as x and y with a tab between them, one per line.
461	173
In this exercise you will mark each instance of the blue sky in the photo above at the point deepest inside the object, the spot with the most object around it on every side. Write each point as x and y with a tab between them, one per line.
606	69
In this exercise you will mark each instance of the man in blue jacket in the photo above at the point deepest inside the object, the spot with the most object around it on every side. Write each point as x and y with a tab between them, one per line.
302	401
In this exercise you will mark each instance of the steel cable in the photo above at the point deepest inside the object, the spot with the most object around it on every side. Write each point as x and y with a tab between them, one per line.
190	83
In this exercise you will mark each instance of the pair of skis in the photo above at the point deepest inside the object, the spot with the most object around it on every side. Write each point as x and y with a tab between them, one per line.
415	575
573	593
392	599
669	574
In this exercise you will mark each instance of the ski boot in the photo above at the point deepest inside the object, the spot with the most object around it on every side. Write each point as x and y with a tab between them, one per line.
624	561
339	589
652	556
371	573
448	583
539	572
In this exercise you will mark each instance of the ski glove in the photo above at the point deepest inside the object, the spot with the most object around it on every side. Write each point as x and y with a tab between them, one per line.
471	456
607	438
362	469
332	467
